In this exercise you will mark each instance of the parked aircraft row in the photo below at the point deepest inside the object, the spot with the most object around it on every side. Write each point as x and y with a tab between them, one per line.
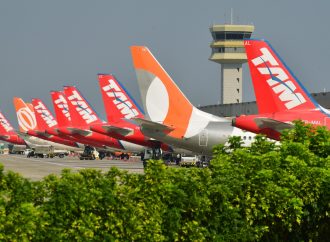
169	121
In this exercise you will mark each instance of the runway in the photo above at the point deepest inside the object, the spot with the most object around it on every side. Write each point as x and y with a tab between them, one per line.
37	168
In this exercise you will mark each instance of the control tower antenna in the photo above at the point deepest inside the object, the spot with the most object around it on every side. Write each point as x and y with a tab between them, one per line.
228	50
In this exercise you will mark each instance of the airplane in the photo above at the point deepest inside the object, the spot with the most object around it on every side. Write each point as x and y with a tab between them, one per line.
171	118
280	96
7	132
83	116
28	125
64	120
120	107
63	117
46	120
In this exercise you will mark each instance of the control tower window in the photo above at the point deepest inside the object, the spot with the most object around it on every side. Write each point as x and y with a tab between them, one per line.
247	35
219	35
228	50
234	35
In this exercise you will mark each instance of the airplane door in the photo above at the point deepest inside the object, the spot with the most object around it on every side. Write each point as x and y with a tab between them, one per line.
203	138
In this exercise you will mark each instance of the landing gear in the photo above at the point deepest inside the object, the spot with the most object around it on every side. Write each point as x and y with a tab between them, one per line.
102	155
124	156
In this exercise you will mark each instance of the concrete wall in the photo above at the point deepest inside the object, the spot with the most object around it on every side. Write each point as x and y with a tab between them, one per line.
231	83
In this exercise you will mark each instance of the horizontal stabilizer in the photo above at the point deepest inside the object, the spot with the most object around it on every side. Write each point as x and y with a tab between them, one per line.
44	134
82	132
148	124
118	130
22	134
4	136
276	125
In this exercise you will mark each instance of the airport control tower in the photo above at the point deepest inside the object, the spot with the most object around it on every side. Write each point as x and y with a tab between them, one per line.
228	50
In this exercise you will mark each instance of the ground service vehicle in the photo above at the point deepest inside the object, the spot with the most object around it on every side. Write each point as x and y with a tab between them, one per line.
90	153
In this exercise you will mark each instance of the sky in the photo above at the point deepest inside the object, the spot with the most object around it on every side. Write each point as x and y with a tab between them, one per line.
46	44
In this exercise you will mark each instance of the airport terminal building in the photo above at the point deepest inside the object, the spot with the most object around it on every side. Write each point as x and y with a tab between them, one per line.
236	109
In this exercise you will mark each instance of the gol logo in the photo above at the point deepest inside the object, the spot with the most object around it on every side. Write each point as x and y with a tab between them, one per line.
26	119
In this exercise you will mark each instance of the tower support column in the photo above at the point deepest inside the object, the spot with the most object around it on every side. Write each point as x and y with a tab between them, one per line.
231	83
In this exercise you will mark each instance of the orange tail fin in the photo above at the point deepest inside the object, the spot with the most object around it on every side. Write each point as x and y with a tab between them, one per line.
25	115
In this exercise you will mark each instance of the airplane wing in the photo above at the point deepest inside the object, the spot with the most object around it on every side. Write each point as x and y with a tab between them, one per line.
273	124
148	124
82	132
118	130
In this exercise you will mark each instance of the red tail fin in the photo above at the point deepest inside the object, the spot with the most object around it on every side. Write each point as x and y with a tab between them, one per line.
81	112
26	118
118	103
276	88
61	108
44	117
5	126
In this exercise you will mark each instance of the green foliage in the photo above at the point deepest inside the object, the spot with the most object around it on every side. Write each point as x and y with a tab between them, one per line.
265	192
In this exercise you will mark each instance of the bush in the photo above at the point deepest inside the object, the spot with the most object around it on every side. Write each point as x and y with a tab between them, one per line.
262	193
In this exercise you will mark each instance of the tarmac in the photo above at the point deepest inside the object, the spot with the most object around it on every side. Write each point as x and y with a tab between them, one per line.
37	168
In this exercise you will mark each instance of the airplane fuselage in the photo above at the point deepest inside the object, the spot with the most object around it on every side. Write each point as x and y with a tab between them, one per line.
314	117
214	133
100	139
33	142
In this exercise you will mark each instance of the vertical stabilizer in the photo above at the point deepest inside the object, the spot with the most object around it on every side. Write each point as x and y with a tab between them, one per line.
5	126
44	117
163	101
61	108
276	87
81	112
25	116
117	101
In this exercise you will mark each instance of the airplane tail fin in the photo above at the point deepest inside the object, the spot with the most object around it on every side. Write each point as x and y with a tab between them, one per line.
5	126
81	112
44	117
25	115
276	87
163	101
61	108
117	101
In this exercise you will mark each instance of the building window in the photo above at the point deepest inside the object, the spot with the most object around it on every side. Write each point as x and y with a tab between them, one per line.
219	35
228	50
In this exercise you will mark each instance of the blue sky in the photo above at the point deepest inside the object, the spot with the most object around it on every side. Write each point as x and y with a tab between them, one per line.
47	44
